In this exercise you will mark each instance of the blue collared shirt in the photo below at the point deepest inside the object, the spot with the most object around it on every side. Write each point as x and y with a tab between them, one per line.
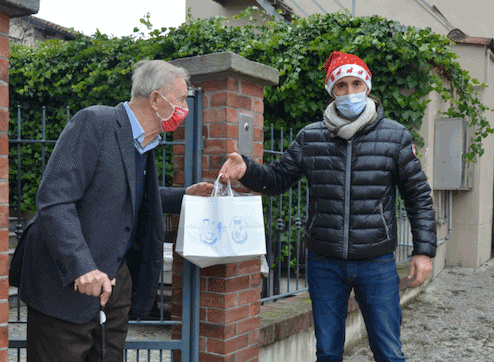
138	133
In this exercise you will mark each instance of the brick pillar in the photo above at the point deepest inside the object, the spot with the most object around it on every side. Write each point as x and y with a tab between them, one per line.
230	293
4	185
8	9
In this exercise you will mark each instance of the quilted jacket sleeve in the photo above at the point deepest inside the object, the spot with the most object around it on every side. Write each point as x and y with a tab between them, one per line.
279	176
416	192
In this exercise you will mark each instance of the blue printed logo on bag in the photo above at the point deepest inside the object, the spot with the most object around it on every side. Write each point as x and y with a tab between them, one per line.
238	227
209	233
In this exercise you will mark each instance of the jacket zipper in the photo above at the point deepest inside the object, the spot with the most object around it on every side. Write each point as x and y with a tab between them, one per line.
346	223
384	220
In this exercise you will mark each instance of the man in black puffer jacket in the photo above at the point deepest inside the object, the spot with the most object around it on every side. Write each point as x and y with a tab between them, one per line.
353	160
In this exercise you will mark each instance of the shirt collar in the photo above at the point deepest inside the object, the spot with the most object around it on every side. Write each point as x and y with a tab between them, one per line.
138	133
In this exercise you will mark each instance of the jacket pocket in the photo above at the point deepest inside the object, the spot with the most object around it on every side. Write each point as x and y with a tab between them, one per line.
386	228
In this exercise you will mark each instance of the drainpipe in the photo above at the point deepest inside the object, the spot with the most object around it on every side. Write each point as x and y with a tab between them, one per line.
450	217
440	219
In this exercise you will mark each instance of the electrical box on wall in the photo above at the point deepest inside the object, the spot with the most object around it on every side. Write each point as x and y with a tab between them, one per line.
451	141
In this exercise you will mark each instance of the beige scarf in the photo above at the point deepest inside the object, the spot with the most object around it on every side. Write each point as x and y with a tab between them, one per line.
345	128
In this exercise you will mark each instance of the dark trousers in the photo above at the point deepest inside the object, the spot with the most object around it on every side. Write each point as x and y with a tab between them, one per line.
51	340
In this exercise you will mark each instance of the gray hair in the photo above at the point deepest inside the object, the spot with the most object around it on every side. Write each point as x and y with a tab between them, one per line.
150	75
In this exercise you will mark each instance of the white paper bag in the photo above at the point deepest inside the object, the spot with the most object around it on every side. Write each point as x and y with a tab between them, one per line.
221	229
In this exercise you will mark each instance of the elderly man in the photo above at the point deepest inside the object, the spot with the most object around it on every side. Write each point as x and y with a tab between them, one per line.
98	232
353	160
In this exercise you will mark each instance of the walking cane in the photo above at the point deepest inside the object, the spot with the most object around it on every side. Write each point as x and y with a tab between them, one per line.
104	342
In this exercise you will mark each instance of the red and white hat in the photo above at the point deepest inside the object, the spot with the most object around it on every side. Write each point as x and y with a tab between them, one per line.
339	65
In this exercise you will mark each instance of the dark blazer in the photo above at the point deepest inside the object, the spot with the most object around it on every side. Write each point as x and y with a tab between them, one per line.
85	213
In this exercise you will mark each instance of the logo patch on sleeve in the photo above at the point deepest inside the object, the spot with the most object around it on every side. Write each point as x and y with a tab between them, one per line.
414	150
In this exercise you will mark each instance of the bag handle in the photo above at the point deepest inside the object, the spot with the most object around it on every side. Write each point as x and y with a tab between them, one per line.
222	190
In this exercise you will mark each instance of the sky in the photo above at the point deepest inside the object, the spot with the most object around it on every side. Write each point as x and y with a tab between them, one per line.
112	17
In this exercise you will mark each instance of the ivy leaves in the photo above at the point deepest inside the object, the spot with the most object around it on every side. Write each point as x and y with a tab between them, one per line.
407	65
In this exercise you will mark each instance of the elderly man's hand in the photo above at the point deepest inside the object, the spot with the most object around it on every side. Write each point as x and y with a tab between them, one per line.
95	283
200	189
421	269
233	169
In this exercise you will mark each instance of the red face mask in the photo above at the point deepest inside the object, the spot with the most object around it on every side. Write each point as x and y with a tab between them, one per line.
178	115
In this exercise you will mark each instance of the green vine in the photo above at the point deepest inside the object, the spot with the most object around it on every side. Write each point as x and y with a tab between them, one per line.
407	64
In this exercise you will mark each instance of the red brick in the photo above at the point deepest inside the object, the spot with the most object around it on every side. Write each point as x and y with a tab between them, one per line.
228	316
4	355
4	120
221	301
203	284
250	266
220	114
258	106
223	146
202	344
178	178
227	347
205	100
249	296
259	121
252	90
4	96
254	336
4	214
4	237
222	130
4	168
248	325
231	100
4	264
203	314
177	310
221	270
4	23
179	133
248	354
4	46
177	295
178	150
228	285
4	312
218	331
4	70
178	162
4	337
255	308
230	84
258	135
257	149
177	280
206	357
255	280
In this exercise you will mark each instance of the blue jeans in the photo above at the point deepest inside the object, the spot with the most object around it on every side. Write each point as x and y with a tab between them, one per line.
376	285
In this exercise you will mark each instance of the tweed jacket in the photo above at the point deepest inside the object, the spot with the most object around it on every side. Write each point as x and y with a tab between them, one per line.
85	214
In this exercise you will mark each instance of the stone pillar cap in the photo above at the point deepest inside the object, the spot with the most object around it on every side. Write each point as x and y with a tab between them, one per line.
217	66
19	8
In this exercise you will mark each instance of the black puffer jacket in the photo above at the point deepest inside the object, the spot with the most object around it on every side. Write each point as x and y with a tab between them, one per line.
352	186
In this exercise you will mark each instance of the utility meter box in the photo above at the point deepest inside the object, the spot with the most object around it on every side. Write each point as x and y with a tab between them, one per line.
451	141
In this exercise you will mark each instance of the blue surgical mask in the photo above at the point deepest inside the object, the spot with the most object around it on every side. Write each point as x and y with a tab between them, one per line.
351	105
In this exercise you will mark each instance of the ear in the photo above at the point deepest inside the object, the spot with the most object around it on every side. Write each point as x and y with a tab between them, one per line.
368	91
154	99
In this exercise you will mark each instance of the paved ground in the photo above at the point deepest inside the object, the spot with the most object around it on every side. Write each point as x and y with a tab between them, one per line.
451	321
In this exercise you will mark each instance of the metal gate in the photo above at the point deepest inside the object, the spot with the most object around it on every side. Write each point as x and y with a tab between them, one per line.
140	348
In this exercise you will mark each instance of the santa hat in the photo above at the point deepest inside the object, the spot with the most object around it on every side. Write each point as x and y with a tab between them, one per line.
339	65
